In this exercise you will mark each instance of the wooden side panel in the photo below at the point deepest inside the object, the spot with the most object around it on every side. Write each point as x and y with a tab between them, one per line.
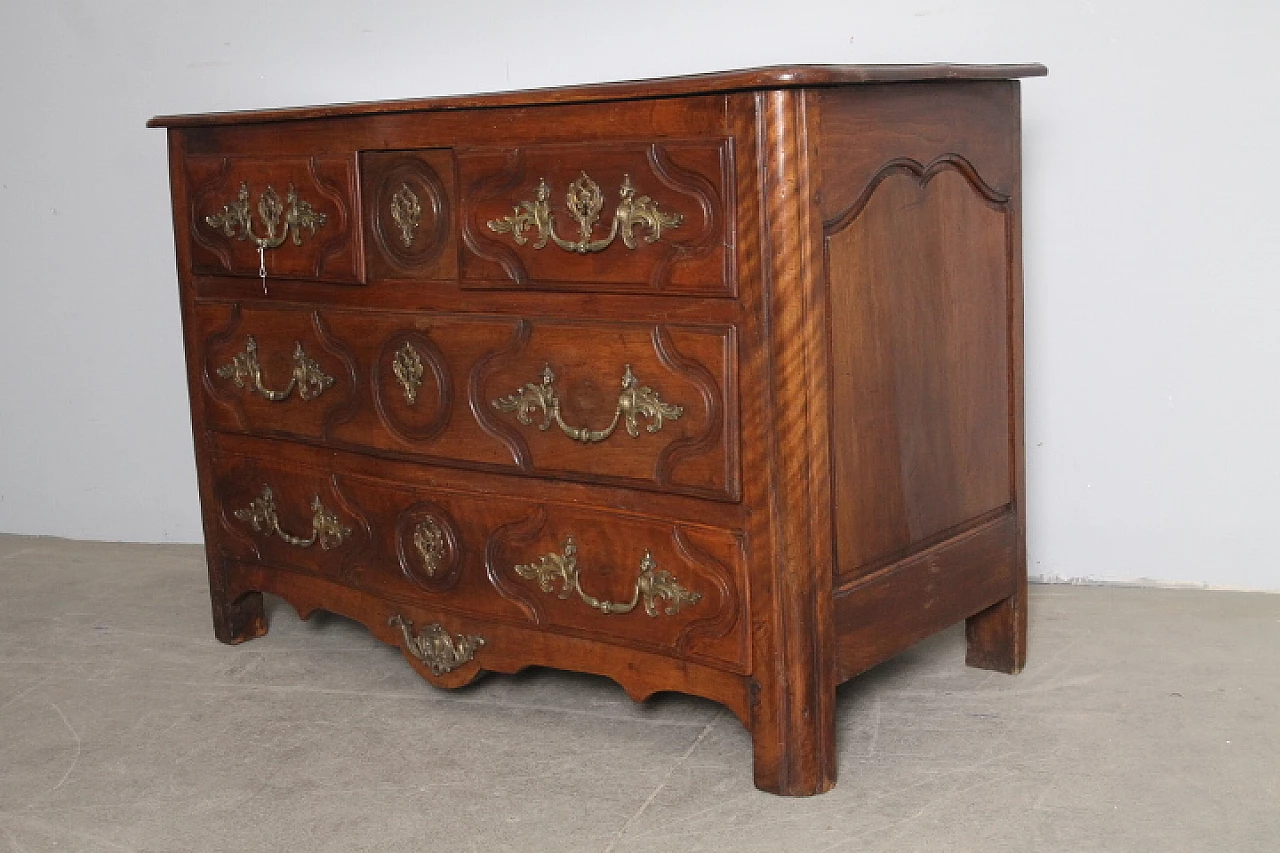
920	290
864	127
884	613
918	260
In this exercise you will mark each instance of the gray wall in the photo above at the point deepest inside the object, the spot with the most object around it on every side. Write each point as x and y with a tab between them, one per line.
1151	231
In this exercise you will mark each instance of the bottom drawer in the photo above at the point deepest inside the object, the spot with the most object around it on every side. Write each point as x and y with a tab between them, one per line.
641	582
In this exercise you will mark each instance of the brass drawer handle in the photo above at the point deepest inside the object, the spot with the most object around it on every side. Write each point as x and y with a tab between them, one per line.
236	219
584	201
246	372
434	647
652	584
326	528
635	401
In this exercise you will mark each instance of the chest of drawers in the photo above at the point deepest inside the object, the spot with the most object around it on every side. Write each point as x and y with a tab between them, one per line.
711	384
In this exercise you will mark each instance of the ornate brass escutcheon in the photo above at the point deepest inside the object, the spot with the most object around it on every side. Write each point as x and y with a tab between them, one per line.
584	201
406	211
434	647
652	585
236	219
407	366
326	528
246	372
429	539
635	401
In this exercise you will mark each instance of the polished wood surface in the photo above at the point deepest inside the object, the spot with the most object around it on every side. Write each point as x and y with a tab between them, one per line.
775	77
739	414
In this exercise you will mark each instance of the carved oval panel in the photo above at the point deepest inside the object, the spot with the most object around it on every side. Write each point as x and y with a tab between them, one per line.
412	389
427	546
410	214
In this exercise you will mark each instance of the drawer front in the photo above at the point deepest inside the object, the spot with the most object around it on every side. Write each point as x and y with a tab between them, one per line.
410	224
620	218
617	403
299	211
642	582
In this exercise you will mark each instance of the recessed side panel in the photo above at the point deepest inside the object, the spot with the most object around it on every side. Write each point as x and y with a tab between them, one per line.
918	261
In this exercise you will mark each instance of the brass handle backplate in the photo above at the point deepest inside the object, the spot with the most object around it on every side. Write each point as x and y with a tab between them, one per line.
584	201
434	647
652	585
326	528
246	372
406	364
236	218
634	402
406	212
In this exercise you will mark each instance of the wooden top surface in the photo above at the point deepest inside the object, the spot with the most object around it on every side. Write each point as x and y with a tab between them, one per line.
776	77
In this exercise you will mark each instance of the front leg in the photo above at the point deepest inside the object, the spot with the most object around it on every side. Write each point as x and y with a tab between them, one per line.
238	619
793	737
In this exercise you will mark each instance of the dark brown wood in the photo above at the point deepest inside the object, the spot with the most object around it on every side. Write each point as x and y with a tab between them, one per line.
881	614
920	196
428	249
777	77
327	184
997	637
688	178
507	649
484	541
831	336
366	407
793	723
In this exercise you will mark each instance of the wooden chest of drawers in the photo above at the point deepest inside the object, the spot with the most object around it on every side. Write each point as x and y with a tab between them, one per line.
709	384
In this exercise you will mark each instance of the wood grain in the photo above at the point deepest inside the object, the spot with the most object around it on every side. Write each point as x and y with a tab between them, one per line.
839	317
778	77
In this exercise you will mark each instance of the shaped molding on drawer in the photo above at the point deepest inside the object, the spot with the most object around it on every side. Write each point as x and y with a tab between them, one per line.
297	210
585	571
615	402
609	218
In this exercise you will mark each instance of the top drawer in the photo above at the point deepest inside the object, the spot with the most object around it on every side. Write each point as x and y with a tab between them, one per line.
298	210
642	216
616	217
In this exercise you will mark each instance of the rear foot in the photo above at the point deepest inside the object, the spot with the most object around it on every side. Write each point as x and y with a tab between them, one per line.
997	637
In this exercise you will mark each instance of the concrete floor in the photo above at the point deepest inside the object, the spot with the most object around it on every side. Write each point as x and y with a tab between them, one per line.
1147	720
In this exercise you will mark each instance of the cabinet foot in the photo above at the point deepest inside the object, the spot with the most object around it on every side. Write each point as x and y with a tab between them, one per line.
795	754
997	636
239	620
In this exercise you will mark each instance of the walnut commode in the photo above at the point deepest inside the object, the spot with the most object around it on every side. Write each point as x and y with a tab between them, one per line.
711	384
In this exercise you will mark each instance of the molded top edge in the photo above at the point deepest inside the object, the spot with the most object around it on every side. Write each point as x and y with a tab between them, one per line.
775	77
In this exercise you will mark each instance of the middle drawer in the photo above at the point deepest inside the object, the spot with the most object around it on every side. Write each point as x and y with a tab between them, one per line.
647	405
